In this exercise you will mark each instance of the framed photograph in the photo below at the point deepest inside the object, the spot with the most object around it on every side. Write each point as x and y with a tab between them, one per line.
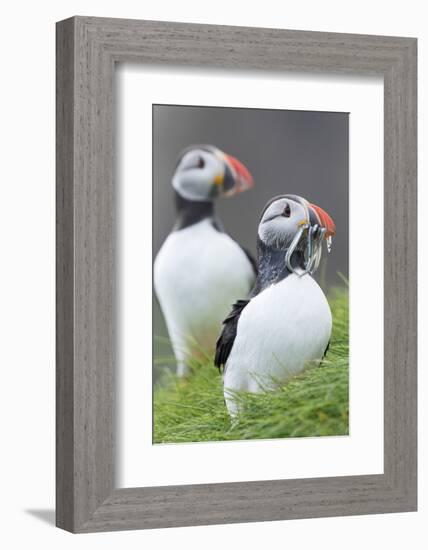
236	274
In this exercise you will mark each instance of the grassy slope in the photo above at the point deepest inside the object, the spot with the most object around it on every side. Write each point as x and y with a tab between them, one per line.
311	404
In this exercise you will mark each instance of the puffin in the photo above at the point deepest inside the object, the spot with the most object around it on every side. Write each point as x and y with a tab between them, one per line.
200	271
285	324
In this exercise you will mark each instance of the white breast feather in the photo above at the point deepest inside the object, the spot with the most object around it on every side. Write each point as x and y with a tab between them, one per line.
198	274
279	332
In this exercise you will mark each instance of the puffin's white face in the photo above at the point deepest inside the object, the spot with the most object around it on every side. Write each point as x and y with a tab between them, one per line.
280	222
204	173
285	215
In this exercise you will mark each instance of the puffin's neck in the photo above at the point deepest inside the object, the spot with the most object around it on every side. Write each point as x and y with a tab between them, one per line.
191	212
271	265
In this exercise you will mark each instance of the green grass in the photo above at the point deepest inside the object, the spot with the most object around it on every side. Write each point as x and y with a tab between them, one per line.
314	403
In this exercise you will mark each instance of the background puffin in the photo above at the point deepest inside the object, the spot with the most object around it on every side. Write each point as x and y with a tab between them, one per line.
199	270
287	321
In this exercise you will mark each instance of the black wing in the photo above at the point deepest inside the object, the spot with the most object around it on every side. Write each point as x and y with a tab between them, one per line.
218	226
326	349
228	334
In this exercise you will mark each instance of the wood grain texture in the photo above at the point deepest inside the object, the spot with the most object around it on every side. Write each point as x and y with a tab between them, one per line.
87	50
64	276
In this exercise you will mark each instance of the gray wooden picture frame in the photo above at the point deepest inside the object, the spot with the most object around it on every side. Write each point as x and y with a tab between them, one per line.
87	50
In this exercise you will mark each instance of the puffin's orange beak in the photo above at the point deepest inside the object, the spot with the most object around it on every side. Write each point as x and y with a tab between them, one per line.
325	220
243	178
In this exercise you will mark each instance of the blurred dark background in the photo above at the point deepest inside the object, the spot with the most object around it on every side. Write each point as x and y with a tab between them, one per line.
300	152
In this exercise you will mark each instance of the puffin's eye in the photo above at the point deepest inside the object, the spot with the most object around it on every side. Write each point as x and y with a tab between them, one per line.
287	211
201	162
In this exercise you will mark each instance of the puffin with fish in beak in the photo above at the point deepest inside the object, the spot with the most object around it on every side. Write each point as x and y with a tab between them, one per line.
286	323
200	270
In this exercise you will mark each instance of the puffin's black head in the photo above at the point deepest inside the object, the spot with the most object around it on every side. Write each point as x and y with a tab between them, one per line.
204	173
285	215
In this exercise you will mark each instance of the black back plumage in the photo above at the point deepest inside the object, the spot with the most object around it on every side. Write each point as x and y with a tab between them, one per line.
228	334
